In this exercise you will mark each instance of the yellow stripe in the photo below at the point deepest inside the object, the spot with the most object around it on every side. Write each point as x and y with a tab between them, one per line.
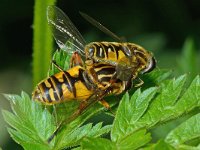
47	84
51	94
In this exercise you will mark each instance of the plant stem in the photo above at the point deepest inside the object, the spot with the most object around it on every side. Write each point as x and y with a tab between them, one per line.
42	41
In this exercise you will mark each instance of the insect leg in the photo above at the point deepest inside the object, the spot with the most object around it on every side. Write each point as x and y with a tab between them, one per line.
76	60
57	66
106	105
93	76
140	82
113	78
55	114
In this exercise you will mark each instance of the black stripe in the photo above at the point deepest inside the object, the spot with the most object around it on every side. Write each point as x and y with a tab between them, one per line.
102	53
84	79
108	47
99	53
46	91
97	48
80	78
140	54
106	71
53	87
116	48
105	79
72	81
58	87
122	48
100	65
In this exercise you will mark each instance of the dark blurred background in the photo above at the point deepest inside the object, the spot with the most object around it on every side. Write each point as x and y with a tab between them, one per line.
158	25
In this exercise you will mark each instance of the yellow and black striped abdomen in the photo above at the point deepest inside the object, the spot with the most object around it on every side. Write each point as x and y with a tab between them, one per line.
63	86
109	52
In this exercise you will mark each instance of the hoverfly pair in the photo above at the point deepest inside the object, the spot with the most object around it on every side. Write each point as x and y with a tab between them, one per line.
105	67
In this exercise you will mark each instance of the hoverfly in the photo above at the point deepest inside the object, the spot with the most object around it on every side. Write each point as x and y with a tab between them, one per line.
78	83
129	59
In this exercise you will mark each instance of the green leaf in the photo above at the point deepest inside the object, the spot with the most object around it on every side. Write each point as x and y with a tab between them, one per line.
185	132
134	140
129	111
32	128
98	130
70	130
165	106
42	41
74	138
157	76
160	145
190	98
77	148
31	125
65	110
11	119
163	145
26	141
62	59
187	147
97	143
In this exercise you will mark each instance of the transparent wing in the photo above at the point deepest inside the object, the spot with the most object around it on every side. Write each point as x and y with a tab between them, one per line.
65	33
105	30
99	26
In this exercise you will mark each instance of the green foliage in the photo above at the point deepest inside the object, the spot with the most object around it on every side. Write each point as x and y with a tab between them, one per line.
42	41
62	60
92	143
160	145
135	116
153	106
129	111
32	125
184	133
188	61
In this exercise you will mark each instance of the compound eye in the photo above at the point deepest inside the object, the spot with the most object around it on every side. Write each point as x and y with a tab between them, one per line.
151	65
